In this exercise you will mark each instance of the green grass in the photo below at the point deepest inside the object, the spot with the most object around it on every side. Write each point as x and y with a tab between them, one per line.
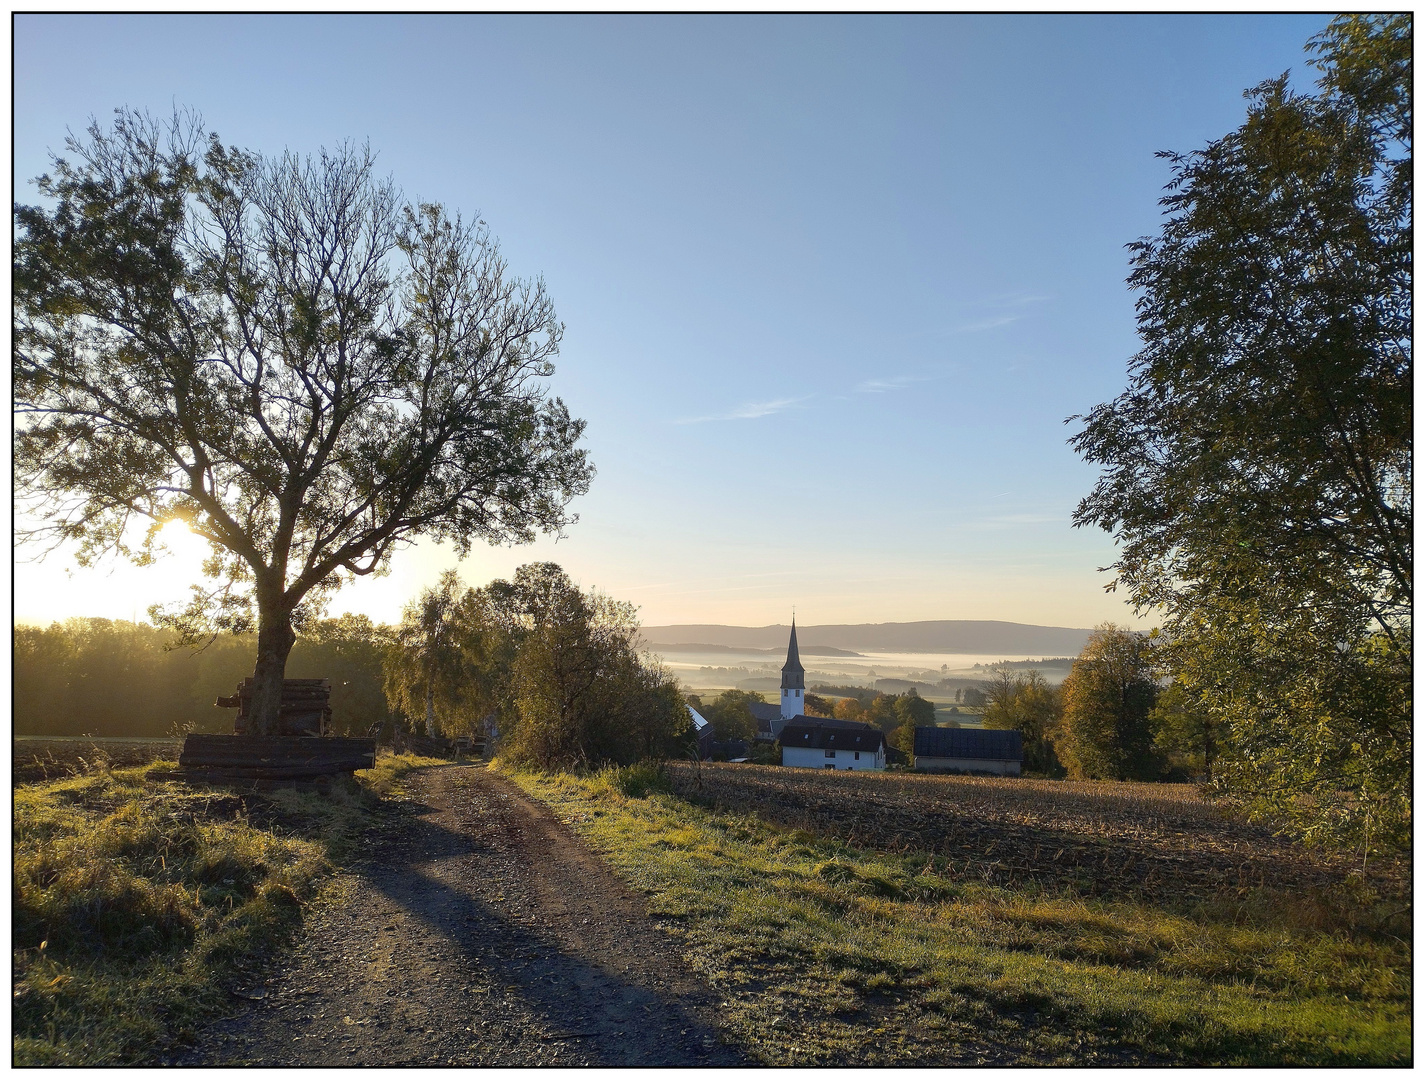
139	900
826	953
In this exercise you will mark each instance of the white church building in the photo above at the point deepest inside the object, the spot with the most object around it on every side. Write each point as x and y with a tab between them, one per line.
818	742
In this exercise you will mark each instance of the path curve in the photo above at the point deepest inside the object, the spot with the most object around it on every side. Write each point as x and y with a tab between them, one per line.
483	932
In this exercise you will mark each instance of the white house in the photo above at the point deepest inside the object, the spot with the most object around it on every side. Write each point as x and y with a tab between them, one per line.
814	742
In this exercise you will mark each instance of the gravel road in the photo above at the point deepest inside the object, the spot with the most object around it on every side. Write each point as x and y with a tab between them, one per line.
481	932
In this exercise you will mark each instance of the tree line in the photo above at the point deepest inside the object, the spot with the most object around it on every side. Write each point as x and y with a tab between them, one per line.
114	678
553	670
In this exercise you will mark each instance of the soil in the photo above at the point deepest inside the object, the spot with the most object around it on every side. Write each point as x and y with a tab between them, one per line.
478	931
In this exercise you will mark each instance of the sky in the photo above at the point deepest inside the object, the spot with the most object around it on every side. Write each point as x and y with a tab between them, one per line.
831	285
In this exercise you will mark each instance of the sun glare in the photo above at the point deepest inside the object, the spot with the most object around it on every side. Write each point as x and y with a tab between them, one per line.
182	541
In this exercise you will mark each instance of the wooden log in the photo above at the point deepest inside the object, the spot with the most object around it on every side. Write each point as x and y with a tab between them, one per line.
276	756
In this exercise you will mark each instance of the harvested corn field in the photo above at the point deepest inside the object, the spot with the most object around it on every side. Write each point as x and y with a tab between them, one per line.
1159	842
54	758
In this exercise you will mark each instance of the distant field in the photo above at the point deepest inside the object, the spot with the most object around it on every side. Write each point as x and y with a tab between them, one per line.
49	757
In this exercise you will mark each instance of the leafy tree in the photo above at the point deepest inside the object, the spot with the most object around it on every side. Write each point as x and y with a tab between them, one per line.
882	713
1105	732
1022	701
731	715
582	695
816	705
426	666
1257	471
903	738
282	353
914	710
1183	731
350	652
849	708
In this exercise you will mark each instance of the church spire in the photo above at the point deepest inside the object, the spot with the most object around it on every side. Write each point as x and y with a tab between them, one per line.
793	674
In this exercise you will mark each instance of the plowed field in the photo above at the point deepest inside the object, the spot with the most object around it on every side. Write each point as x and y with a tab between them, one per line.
1156	842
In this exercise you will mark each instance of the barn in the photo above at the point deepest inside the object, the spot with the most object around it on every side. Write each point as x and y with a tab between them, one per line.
968	750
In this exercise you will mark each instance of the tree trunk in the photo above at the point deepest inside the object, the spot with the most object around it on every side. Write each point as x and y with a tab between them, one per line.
274	642
430	709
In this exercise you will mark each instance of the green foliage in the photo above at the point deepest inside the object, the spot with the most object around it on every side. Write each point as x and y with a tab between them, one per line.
112	678
1257	471
1022	701
581	695
1183	732
731	715
439	667
816	705
903	737
914	710
285	355
1105	733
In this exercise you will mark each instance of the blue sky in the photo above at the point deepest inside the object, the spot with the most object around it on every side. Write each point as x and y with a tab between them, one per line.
831	285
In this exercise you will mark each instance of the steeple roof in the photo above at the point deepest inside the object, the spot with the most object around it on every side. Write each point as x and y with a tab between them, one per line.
793	674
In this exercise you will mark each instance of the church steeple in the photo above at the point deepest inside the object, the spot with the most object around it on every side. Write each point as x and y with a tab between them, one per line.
794	679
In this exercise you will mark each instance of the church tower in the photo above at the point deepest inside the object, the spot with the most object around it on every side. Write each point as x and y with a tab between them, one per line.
794	680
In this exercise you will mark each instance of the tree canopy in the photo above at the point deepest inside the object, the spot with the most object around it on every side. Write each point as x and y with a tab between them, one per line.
1105	732
1257	470
286	355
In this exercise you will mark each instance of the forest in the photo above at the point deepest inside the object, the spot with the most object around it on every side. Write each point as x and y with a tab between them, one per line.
113	678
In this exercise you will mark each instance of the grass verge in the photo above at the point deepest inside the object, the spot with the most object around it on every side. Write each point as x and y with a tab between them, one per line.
829	953
140	901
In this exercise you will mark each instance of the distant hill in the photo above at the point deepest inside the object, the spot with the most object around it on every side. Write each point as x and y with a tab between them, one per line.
943	636
707	647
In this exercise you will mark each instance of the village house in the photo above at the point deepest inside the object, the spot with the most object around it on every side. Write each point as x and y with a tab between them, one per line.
814	742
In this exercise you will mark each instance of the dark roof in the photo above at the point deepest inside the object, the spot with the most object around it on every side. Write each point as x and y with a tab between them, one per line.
819	734
793	674
765	714
968	743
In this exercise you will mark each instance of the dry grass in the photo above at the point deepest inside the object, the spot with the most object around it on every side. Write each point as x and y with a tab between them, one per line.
140	900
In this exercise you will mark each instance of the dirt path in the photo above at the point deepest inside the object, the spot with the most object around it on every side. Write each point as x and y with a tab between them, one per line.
481	933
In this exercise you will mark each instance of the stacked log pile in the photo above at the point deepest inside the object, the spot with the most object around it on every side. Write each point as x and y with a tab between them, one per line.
306	707
302	748
274	757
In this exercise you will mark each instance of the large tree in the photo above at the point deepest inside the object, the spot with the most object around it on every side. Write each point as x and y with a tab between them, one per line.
1024	702
1257	471
1105	732
287	356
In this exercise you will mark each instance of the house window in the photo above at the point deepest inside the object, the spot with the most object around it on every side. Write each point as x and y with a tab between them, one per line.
831	766
831	753
858	755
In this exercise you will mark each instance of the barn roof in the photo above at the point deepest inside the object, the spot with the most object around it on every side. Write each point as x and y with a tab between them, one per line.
819	734
968	743
698	721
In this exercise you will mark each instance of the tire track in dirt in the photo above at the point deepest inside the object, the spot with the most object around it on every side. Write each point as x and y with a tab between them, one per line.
482	932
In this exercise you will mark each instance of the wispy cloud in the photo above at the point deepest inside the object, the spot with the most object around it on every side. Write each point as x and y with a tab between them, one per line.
896	382
987	324
991	312
752	410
